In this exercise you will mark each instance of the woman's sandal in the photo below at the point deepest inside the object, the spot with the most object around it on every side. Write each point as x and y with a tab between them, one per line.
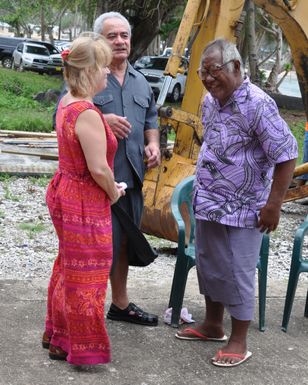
45	341
56	353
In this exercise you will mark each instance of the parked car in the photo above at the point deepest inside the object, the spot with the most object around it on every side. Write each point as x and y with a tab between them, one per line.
153	68
56	66
61	45
30	56
168	52
7	46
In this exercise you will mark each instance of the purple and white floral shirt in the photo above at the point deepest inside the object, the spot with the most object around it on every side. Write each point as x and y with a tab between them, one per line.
243	140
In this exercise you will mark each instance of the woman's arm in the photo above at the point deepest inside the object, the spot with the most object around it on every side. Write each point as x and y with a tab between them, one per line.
91	133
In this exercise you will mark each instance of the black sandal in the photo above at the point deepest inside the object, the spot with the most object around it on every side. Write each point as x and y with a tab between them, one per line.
132	314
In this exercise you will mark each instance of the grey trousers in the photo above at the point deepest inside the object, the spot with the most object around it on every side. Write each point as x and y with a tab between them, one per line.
226	259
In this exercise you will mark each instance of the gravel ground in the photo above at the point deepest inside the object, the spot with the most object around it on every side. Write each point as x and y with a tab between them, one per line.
28	243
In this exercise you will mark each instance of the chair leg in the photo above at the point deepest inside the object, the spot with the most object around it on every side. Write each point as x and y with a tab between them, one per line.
306	307
262	280
177	292
292	285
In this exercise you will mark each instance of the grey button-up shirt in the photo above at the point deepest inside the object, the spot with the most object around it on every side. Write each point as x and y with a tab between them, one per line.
135	100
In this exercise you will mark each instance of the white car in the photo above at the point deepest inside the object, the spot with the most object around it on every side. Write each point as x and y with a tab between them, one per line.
31	56
62	45
168	52
153	68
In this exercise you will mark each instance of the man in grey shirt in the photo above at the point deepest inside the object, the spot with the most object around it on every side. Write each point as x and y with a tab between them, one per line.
129	107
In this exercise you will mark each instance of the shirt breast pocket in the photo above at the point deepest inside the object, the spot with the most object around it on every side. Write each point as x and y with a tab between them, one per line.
104	103
141	105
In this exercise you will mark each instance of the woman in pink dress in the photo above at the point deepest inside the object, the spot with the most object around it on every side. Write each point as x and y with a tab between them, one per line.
79	199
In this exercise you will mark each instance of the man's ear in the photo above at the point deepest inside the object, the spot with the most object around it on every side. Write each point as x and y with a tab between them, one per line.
237	66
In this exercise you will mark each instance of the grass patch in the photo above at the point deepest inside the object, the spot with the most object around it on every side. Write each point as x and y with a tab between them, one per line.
7	193
298	130
32	228
4	177
296	121
41	181
18	110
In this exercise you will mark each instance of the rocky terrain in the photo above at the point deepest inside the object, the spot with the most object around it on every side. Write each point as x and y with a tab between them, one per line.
28	243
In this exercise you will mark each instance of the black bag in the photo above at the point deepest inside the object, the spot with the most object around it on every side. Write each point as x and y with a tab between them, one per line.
140	252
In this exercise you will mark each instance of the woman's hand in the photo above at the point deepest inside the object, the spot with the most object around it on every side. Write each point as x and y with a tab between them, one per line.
120	190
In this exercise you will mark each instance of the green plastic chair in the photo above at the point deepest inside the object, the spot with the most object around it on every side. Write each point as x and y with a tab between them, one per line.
298	265
182	196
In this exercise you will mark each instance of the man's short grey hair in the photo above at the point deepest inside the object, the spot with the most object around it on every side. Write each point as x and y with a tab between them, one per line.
228	52
99	22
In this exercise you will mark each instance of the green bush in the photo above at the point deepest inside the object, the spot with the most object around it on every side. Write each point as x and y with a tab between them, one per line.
18	110
298	130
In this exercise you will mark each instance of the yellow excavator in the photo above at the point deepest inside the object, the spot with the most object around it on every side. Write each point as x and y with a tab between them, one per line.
203	21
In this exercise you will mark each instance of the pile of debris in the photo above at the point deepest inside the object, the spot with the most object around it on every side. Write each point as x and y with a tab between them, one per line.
28	153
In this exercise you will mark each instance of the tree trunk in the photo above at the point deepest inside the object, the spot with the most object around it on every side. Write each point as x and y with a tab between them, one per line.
50	33
271	83
59	24
43	26
75	22
154	47
251	39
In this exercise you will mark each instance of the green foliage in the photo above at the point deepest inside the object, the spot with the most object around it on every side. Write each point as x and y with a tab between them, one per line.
7	193
172	22
298	130
167	28
32	228
19	13
41	181
4	177
287	67
18	110
262	76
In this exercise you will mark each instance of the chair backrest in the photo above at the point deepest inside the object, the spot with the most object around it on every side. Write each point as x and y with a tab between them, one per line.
181	206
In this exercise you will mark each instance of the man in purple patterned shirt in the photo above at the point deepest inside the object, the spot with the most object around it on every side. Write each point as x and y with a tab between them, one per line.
244	168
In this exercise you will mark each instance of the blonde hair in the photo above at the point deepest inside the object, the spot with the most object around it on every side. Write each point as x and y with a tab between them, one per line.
88	54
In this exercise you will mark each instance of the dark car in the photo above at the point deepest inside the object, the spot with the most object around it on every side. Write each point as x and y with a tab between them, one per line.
7	46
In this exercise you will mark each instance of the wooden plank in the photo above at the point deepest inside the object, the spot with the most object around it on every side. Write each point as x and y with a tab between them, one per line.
296	193
29	141
42	155
25	134
29	170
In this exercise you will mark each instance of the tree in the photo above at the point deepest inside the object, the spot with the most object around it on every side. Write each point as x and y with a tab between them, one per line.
259	32
19	14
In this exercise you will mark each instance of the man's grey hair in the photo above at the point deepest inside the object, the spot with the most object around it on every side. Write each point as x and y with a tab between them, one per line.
99	22
228	52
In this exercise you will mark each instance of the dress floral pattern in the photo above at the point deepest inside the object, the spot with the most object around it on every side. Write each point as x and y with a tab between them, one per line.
80	211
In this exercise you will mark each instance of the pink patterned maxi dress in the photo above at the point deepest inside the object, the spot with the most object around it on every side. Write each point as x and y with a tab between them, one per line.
80	211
